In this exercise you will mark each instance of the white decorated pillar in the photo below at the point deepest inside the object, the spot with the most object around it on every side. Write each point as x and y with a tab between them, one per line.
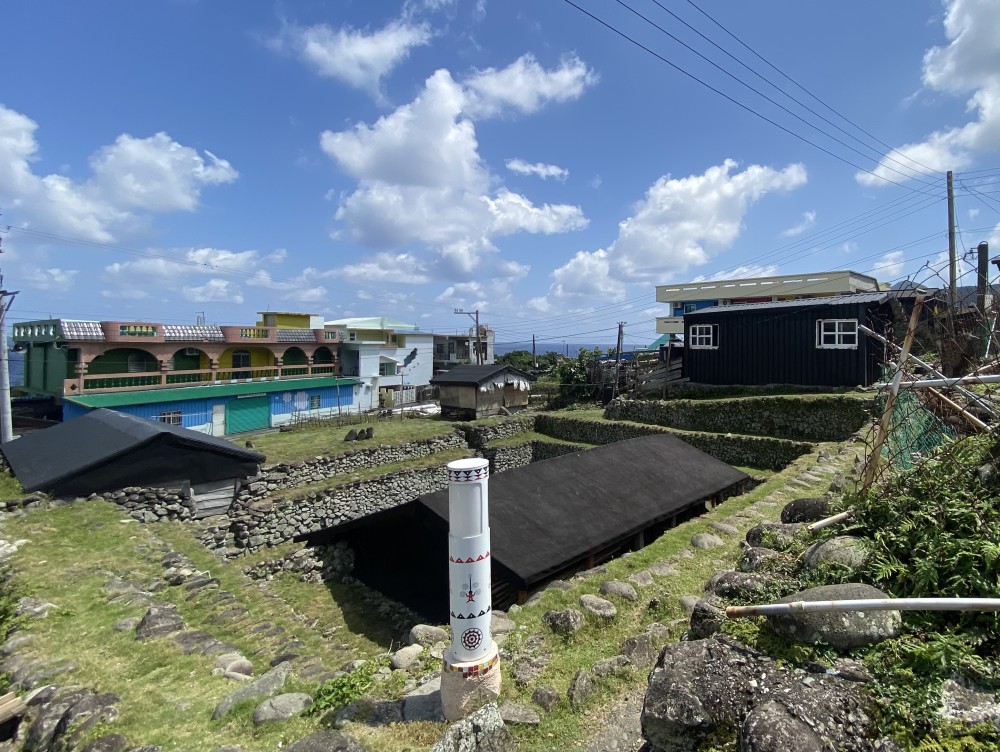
470	676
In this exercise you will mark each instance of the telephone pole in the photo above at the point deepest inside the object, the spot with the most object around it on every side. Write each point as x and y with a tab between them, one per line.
6	421
952	261
534	354
618	355
474	315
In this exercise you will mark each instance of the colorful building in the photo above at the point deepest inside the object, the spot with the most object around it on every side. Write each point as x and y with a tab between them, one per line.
214	379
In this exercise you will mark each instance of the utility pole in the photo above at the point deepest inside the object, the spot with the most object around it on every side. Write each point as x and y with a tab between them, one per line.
952	261
6	422
618	356
982	279
474	315
534	354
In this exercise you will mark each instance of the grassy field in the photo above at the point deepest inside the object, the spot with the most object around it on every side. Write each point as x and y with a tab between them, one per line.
294	446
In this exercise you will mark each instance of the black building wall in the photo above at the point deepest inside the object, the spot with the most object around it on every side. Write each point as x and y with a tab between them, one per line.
778	346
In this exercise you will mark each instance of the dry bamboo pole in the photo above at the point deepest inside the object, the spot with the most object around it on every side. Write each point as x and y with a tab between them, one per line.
961	411
882	430
958	380
869	604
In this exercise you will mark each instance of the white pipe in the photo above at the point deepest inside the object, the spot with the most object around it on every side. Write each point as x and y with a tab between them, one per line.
946	382
869	604
828	521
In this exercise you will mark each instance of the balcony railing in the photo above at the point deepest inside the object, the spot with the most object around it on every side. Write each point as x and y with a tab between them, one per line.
92	383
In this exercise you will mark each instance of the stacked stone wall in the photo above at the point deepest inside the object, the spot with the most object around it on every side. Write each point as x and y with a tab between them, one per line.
478	437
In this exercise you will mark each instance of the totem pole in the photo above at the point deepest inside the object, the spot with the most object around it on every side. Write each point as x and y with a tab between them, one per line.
470	676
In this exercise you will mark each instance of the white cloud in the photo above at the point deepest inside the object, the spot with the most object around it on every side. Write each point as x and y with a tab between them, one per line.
356	57
890	266
214	291
131	178
525	86
540	169
50	280
808	220
679	224
739	272
401	268
422	182
968	64
973	212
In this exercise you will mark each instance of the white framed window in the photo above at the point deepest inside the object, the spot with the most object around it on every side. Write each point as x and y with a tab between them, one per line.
170	417
837	334
704	337
386	369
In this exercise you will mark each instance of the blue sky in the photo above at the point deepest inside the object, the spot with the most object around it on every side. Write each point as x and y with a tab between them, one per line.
172	157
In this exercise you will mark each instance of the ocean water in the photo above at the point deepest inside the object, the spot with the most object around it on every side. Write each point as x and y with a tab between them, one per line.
569	349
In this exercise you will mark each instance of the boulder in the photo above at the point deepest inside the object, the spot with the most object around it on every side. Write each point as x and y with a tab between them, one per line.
805	510
757	559
108	743
326	741
640	649
281	707
617	589
642	578
427	635
776	535
404	658
663	569
688	602
724	527
581	686
424	703
700	686
368	711
843	549
771	728
500	624
706	540
842	630
740	584
564	622
160	620
706	619
519	715
352	435
545	697
264	686
966	703
598	606
616	664
483	731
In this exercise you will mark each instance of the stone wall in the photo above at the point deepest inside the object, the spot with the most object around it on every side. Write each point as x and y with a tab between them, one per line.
478	437
754	451
519	455
154	504
825	418
311	564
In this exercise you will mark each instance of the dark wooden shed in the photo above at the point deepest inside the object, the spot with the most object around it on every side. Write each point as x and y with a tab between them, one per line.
812	342
470	392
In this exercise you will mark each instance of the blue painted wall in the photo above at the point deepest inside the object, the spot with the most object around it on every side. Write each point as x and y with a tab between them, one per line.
699	304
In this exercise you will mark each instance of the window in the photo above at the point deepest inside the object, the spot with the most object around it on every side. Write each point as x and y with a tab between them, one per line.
170	417
690	307
837	334
314	400
704	336
136	362
386	369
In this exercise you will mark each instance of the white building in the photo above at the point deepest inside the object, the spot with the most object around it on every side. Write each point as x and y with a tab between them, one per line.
391	358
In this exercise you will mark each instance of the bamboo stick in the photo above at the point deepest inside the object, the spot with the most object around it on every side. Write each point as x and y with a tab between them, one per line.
962	411
869	604
958	380
828	521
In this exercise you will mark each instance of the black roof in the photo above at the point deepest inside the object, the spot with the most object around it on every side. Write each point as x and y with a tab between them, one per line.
550	514
851	299
476	375
94	452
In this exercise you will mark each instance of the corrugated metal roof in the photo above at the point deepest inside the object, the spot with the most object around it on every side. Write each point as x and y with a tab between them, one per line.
117	399
296	335
192	333
90	330
858	297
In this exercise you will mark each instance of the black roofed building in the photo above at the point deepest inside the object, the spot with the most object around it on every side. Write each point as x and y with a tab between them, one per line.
813	342
105	450
547	519
470	392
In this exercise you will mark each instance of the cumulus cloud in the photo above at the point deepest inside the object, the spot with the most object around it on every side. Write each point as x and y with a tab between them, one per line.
525	86
357	57
679	224
739	272
890	266
542	170
808	220
50	280
401	268
968	65
214	291
422	183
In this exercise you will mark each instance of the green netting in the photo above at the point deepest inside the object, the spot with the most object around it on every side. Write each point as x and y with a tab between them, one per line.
913	429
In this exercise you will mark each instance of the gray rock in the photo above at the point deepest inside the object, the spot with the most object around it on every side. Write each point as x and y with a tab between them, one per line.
700	685
617	589
161	620
235	676
616	664
663	569
370	712
706	619
127	624
740	584
724	527
519	715
108	743
642	578
564	622
581	687
326	741
598	606
659	633
640	649
756	559
424	703
706	540
776	535
264	686
967	704
805	510
427	635
771	728
840	630
843	549
500	624
281	707
15	643
688	602
33	608
483	731
42	731
545	697
404	658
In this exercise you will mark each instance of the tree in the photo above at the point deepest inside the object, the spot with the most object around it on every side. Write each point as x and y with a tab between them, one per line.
517	359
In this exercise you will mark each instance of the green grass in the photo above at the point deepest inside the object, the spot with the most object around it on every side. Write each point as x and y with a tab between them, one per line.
524	438
294	446
10	488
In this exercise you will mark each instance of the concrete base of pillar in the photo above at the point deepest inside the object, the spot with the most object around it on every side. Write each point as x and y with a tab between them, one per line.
466	687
